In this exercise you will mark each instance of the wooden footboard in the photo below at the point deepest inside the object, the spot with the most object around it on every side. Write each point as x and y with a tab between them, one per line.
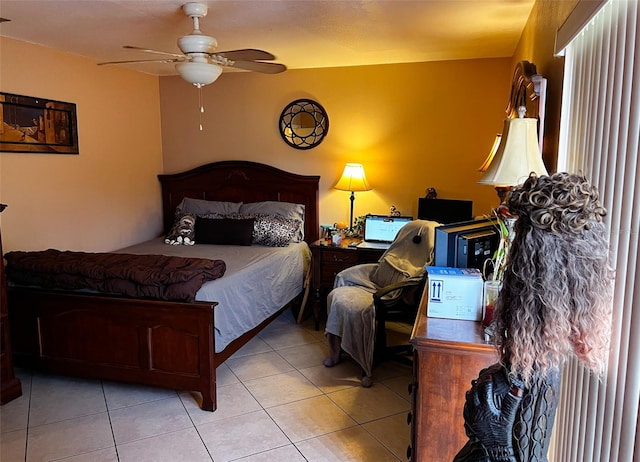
157	343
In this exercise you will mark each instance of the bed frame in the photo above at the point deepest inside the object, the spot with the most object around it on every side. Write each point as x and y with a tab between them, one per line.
151	342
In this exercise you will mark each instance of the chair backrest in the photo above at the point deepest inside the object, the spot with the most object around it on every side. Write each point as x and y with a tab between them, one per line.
409	253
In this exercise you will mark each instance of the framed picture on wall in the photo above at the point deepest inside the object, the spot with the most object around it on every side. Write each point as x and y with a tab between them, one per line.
37	125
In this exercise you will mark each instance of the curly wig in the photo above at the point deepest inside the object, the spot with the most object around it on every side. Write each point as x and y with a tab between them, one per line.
555	300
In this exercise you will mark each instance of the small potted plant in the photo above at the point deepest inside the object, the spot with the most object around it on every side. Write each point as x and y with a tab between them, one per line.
496	265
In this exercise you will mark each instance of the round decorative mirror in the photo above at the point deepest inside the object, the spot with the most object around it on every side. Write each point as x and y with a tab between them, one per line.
303	124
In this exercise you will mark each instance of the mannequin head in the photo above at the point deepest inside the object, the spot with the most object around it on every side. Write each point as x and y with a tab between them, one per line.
555	300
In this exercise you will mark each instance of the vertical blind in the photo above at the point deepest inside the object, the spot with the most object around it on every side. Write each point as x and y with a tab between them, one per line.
597	420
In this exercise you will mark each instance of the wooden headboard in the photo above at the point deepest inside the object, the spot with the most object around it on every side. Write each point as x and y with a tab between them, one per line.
242	181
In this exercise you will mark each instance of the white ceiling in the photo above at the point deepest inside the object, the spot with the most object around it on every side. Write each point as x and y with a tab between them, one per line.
301	33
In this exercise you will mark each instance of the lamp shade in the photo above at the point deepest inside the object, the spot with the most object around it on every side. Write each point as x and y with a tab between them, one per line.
353	179
517	156
492	153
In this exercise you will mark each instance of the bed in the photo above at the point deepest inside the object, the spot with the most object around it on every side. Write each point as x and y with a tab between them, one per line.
157	342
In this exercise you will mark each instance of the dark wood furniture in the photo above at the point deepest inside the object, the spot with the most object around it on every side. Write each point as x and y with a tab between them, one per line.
328	260
10	387
448	354
151	342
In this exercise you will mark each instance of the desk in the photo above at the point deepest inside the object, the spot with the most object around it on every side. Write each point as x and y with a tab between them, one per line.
328	260
448	354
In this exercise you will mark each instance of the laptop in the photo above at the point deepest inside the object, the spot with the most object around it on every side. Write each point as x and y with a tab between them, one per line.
381	230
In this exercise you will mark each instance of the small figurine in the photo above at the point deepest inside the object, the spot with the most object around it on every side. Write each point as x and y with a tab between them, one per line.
431	193
394	212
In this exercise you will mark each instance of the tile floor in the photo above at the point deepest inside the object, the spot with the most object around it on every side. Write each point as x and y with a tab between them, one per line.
276	402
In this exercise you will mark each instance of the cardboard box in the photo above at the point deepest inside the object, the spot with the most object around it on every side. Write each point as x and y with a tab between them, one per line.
454	293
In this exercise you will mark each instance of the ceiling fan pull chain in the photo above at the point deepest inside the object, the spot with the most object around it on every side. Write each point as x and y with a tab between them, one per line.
200	103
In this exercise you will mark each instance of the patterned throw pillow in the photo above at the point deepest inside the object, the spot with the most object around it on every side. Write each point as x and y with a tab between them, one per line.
282	209
183	230
274	230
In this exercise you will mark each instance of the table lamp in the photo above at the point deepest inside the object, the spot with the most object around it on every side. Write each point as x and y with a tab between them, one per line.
353	179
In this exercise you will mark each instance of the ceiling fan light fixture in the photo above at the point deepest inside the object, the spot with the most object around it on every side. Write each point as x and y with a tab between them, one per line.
199	74
199	63
197	43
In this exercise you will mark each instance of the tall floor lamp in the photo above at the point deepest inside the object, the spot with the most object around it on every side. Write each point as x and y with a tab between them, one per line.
353	179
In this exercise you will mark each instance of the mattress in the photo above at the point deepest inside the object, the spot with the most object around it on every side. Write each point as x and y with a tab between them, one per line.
258	281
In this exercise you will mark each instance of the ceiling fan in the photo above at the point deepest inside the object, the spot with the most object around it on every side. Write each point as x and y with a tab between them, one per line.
199	63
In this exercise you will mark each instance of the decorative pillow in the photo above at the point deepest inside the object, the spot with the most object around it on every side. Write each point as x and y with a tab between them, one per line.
283	209
203	207
274	230
220	215
224	231
183	230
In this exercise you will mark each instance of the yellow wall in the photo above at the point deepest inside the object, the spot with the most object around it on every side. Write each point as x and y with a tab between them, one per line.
106	197
413	126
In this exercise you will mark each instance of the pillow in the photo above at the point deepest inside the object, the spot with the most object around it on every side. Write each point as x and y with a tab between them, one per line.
183	230
283	209
224	231
203	207
274	230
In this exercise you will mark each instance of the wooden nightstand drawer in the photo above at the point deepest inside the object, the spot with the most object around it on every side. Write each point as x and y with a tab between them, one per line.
339	256
329	272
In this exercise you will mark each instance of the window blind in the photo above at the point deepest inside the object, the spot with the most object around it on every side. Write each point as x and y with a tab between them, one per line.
600	127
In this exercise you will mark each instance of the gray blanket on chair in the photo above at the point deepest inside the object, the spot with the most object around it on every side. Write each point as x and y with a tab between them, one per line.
351	313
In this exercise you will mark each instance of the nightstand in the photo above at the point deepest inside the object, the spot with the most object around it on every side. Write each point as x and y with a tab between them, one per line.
328	260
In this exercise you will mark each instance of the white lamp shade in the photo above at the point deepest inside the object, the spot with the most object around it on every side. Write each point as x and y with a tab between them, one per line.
518	154
353	179
492	153
199	73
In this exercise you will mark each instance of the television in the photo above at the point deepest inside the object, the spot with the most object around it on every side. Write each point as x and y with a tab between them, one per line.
445	211
467	244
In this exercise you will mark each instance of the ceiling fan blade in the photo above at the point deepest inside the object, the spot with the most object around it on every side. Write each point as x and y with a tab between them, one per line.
247	55
147	50
133	61
265	68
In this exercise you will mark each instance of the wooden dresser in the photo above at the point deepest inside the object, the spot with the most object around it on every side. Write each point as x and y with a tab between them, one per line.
448	354
10	387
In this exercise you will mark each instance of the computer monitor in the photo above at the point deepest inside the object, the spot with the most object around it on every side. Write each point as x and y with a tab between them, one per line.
466	245
445	211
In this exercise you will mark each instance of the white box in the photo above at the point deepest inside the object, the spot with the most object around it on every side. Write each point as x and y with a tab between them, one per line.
454	293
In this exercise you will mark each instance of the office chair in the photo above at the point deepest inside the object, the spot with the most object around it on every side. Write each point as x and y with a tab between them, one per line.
362	299
402	307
